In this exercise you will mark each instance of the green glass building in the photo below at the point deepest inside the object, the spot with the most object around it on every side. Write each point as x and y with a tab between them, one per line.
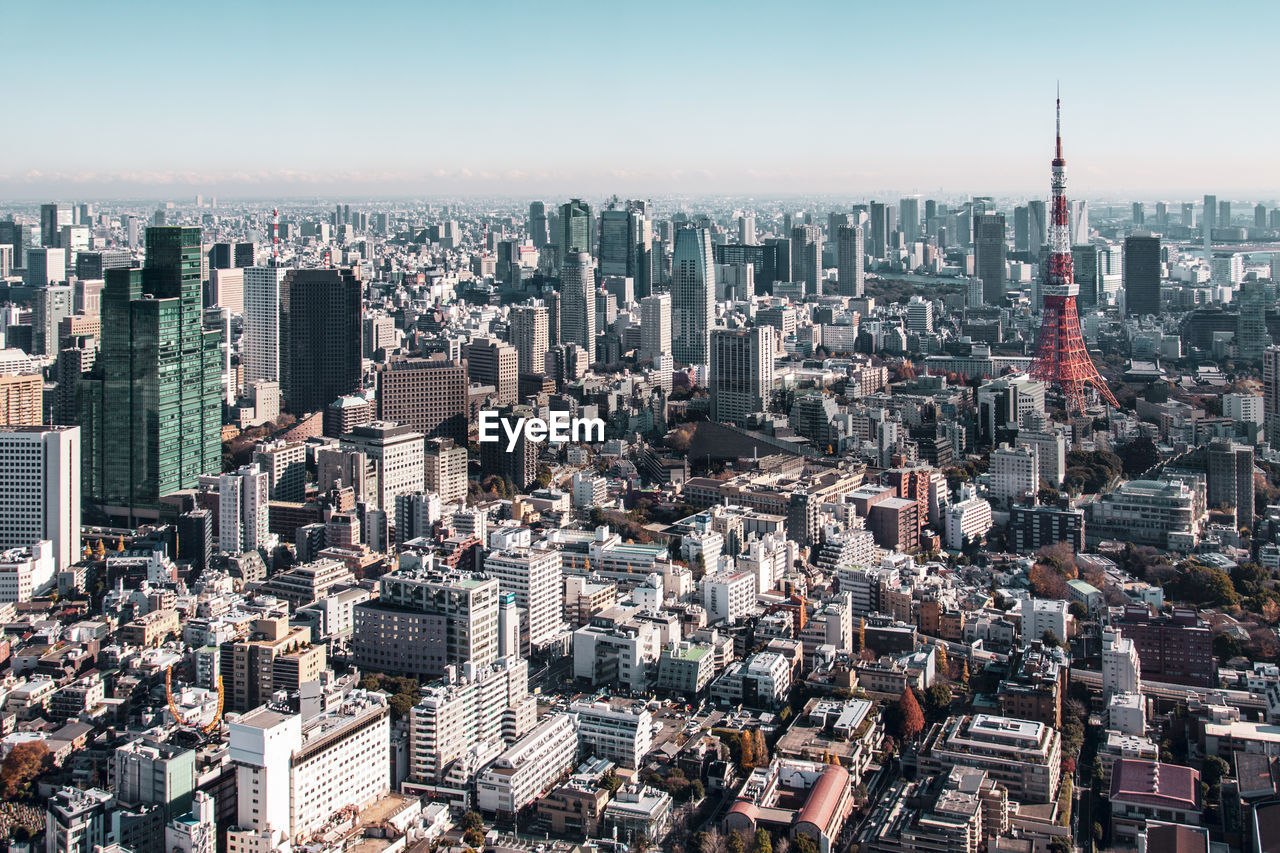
151	411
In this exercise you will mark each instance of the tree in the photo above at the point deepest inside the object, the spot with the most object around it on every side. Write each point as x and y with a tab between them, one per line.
937	701
805	844
912	719
1213	769
1138	456
471	820
611	782
940	660
696	791
1078	610
734	842
763	842
964	673
473	838
23	764
1050	639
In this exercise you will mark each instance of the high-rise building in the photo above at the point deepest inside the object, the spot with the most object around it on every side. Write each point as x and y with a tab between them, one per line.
1021	229
1251	323
655	325
747	229
806	257
615	240
538	224
1188	214
40	489
1037	227
742	362
426	619
243	499
1271	394
446	469
1230	479
1141	275
530	336
50	306
151	413
534	577
394	464
492	362
575	228
323	337
849	260
52	218
260	344
909	219
879	238
1078	230
45	267
989	256
21	399
1224	214
429	395
693	296
578	302
1139	216
1260	216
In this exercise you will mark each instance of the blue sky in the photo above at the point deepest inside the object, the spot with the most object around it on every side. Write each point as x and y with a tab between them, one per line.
321	98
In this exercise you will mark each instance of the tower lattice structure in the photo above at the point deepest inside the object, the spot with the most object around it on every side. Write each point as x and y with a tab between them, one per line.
1061	359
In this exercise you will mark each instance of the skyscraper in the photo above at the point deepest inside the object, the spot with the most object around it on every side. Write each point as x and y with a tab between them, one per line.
989	255
52	218
492	362
575	228
1139	213
693	295
260	344
747	229
909	219
849	260
806	257
1271	394
615	236
429	395
151	415
655	326
879	242
324	330
1079	230
1141	274
741	372
578	302
40	489
538	224
1021	229
530	336
1037	228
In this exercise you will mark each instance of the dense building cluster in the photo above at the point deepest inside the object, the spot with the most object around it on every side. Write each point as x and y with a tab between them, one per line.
637	523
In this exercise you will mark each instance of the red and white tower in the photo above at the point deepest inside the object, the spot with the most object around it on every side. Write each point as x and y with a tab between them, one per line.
1061	359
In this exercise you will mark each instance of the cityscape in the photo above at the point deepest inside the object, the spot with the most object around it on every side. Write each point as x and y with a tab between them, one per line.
430	481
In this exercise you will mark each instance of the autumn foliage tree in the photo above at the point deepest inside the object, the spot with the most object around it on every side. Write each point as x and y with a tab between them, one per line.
911	716
23	764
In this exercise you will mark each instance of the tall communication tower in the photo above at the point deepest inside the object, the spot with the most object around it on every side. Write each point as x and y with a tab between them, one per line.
1061	358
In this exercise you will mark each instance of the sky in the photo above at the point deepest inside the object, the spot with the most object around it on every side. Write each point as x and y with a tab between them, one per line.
489	97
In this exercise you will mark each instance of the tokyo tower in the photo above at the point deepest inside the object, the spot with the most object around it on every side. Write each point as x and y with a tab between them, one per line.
1061	358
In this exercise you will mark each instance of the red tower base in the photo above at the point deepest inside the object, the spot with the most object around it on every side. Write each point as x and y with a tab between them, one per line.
1062	360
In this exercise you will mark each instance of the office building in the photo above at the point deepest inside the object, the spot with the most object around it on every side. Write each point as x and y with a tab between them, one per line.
393	459
878	244
578	302
849	260
52	218
45	267
693	301
989	256
909	219
426	619
1230	479
620	735
446	469
1022	755
1176	648
742	363
492	362
1141	275
806	257
151	415
528	766
1271	394
322	336
537	224
51	305
429	395
575	229
274	656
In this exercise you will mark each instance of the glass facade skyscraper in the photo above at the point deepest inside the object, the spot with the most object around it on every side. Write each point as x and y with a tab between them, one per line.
693	296
151	413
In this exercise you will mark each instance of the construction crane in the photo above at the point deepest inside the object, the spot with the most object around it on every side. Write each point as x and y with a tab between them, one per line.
173	706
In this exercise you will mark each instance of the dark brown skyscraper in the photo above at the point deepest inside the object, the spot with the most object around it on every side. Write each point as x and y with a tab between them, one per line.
321	333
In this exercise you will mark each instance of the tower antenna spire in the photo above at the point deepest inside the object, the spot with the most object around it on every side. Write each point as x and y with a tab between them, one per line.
1059	120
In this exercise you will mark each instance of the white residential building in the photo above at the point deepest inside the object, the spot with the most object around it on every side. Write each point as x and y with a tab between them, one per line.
1243	408
26	571
243	509
528	766
1121	666
589	491
655	326
1015	473
535	578
728	596
446	470
967	519
1127	713
1043	614
40	489
621	735
1051	452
